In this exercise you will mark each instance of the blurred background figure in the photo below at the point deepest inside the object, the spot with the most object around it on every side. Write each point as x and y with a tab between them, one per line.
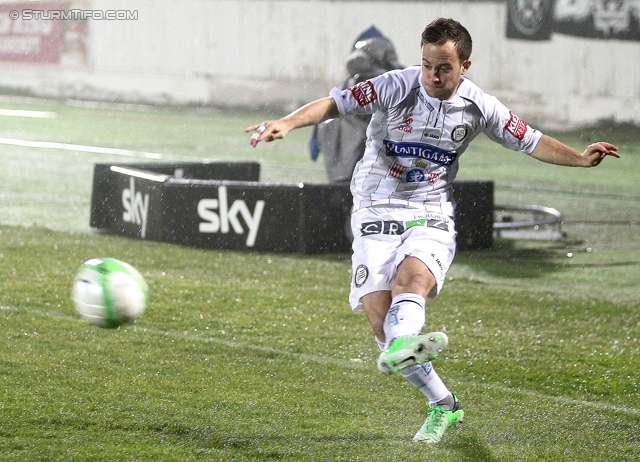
341	141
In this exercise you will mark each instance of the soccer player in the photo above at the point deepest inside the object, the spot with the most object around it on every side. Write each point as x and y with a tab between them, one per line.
423	119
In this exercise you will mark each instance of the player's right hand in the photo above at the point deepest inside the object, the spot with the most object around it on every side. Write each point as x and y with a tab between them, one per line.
266	131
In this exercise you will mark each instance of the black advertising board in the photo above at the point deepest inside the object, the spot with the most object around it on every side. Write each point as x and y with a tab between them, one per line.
112	187
474	214
234	215
167	203
128	202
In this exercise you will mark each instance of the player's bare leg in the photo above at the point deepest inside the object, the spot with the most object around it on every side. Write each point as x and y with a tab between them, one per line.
376	306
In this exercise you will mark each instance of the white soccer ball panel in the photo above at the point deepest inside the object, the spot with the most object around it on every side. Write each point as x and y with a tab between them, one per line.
87	296
126	294
108	292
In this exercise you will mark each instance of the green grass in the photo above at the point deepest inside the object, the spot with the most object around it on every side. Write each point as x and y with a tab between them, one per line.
248	356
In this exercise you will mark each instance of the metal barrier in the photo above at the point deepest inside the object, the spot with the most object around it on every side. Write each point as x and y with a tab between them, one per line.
539	223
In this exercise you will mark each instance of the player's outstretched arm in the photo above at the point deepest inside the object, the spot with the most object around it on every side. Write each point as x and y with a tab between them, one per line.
553	151
309	114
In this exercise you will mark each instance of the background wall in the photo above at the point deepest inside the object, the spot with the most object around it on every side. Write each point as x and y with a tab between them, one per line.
282	53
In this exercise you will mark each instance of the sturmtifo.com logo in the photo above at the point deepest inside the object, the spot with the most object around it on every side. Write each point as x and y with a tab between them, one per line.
74	15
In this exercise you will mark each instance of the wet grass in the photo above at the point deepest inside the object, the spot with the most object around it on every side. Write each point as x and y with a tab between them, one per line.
247	356
234	361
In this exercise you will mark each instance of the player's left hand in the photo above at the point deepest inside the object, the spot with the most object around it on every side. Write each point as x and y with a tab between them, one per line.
596	152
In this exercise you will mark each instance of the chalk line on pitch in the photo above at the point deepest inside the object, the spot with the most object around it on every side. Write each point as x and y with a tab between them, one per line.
335	361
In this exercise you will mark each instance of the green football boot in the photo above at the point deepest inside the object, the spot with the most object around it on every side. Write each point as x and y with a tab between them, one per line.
437	423
408	350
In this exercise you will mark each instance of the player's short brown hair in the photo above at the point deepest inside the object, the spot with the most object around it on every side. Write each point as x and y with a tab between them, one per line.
442	30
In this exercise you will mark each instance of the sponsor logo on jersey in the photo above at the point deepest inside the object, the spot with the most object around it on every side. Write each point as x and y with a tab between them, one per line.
516	126
362	273
424	151
396	228
432	133
459	133
364	93
406	125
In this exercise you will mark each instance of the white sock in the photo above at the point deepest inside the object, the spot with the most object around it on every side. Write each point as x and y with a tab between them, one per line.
425	378
406	316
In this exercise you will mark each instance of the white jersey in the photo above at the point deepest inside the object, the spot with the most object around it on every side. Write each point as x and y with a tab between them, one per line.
414	141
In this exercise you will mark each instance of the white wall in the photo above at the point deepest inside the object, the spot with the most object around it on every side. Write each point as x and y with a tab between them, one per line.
285	52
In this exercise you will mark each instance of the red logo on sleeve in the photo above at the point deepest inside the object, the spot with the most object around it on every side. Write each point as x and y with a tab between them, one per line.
364	93
516	126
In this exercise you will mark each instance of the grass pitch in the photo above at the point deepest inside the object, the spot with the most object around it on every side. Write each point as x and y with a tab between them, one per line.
248	356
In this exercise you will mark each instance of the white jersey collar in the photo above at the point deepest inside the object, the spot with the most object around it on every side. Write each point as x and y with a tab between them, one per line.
454	101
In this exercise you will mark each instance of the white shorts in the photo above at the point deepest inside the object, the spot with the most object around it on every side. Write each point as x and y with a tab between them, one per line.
384	237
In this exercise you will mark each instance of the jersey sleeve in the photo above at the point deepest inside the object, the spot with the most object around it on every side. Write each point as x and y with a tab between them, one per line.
507	129
381	92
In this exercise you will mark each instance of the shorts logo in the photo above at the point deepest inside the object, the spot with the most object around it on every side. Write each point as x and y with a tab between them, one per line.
364	93
390	228
396	228
459	133
516	126
439	263
362	273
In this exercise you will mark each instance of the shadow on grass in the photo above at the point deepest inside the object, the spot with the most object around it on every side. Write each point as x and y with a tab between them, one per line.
510	259
469	447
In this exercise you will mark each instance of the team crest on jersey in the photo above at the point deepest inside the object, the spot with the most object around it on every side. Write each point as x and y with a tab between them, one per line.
459	133
397	169
415	175
516	126
364	93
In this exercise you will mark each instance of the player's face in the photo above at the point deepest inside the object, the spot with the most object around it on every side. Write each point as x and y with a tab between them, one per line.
441	69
